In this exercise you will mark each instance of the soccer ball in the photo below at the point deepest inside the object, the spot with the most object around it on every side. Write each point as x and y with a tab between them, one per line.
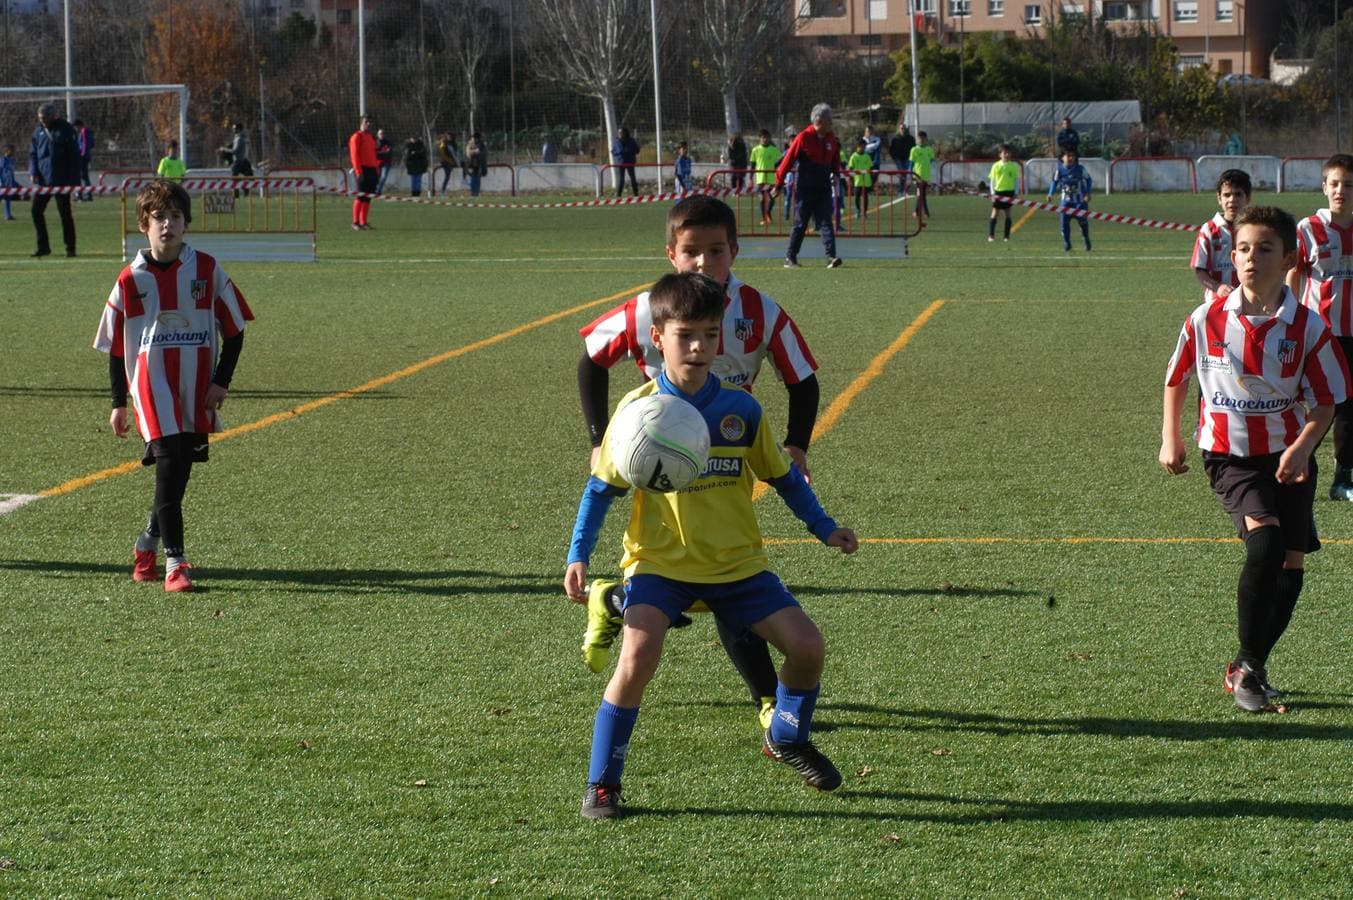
659	443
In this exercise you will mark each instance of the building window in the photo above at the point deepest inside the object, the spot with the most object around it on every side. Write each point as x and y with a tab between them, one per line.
871	40
1186	10
923	6
1226	10
1191	61
298	4
344	17
960	7
995	7
1033	14
827	40
821	9
876	10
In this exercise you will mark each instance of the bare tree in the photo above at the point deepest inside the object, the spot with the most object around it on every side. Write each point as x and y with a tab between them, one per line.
471	31
595	47
733	34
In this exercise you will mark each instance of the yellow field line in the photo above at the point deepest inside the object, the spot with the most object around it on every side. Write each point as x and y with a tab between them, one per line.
863	380
94	477
1028	214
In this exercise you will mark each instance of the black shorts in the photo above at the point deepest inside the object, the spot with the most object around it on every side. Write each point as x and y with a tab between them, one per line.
1002	199
1247	486
368	179
190	445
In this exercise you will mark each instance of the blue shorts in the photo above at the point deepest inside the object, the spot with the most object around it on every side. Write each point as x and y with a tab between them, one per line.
738	604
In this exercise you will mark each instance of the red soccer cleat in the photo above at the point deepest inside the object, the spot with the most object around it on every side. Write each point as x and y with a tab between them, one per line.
145	568
179	581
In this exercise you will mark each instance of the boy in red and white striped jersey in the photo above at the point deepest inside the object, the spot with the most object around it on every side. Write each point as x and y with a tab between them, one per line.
1271	375
702	236
162	329
1325	264
1212	250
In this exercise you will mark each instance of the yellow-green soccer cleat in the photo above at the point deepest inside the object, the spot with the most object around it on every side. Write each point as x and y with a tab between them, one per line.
767	712
602	627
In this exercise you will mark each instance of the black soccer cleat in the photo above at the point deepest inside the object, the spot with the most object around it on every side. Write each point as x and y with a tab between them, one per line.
817	771
601	801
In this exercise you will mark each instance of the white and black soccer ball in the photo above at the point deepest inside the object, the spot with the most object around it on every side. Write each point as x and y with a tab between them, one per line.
659	443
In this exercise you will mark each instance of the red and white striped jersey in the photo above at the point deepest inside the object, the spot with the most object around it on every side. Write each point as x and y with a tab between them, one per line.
1325	262
754	326
1212	251
165	324
1258	374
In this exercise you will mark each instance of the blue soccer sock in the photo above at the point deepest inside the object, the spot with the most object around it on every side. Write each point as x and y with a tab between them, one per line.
793	719
610	743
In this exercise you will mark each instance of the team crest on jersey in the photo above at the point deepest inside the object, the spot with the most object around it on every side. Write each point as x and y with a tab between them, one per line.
198	290
732	427
744	329
1287	351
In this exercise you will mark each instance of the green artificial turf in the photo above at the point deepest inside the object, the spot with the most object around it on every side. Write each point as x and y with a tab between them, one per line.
377	690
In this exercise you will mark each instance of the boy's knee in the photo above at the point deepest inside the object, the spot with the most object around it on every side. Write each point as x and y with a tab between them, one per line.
1264	547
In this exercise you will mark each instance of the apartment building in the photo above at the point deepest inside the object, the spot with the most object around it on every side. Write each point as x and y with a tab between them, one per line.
1228	36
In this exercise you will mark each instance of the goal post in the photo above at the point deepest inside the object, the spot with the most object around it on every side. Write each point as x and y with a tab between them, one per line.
100	91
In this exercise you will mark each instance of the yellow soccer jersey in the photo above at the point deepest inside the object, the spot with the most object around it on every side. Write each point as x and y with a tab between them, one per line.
706	532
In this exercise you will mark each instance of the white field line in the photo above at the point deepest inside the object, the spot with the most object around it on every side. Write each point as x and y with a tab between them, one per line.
11	502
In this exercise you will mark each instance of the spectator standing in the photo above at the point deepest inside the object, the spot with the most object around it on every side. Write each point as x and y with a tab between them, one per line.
681	169
53	161
549	153
790	175
362	154
737	160
873	145
624	155
476	162
240	166
817	153
1068	139
415	163
764	157
7	179
385	154
171	166
446	160
85	135
899	148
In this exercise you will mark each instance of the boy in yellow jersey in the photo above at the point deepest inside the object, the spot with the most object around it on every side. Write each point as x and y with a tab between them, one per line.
860	165
764	157
922	156
1003	178
703	543
171	166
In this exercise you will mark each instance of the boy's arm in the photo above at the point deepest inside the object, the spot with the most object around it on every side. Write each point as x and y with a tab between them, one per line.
596	501
119	419
594	383
1295	461
799	497
225	371
803	401
1172	449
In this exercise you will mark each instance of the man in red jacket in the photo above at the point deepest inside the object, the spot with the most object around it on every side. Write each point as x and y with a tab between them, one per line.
817	152
362	153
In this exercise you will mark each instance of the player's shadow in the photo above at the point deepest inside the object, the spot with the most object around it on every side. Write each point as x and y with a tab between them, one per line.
414	582
236	393
959	810
1252	728
1270	727
938	592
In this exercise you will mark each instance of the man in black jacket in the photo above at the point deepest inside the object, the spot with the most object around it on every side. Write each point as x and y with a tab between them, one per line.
53	161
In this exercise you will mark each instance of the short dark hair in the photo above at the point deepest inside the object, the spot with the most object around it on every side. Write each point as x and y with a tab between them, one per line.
764	133
1006	148
162	194
1280	220
685	297
697	212
922	134
1337	161
1238	179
